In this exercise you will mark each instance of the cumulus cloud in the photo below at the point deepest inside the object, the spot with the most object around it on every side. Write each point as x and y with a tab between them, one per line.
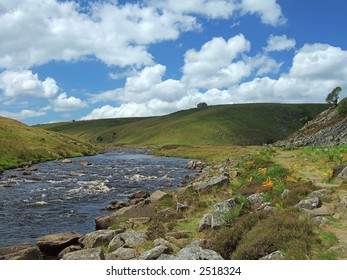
213	66
24	114
279	43
26	84
63	103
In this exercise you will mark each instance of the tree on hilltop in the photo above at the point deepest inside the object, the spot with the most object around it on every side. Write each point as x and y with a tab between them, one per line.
333	97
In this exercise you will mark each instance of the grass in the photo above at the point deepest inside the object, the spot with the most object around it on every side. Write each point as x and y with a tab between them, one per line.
21	144
238	124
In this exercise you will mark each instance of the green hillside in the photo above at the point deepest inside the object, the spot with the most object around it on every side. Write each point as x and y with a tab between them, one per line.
21	144
238	124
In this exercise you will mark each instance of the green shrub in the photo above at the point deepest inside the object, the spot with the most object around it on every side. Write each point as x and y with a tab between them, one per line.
342	107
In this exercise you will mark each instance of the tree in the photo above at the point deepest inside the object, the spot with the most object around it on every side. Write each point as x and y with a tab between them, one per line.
333	97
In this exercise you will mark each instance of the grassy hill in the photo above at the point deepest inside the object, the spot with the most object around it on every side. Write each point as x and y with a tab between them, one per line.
21	144
238	124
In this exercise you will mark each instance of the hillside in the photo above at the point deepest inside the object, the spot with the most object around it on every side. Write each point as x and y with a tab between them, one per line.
21	144
238	124
327	129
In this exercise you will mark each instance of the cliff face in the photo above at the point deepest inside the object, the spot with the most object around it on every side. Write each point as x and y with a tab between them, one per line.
327	129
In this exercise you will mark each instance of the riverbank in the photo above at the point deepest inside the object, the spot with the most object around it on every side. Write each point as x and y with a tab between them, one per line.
232	211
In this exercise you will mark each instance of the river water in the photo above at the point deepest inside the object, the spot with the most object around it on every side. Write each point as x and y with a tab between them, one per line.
60	197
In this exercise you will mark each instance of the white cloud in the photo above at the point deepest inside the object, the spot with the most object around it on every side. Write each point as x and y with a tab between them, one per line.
279	43
63	103
24	114
26	84
213	65
270	12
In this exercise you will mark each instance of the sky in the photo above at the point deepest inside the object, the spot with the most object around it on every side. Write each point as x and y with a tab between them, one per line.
79	60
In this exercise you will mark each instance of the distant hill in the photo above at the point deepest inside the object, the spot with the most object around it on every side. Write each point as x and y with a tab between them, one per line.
327	129
20	144
238	124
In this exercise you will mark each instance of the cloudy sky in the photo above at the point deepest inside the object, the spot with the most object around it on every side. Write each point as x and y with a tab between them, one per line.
63	60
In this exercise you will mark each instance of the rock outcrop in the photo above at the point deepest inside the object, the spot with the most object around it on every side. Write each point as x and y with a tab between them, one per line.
327	129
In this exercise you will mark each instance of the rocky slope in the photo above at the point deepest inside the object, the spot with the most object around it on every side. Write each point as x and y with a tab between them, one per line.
327	129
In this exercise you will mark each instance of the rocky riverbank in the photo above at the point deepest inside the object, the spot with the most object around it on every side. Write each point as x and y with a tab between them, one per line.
188	224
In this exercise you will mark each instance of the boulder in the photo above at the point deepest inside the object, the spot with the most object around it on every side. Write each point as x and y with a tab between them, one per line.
218	181
72	248
154	253
85	254
278	255
196	165
159	195
144	209
181	207
323	193
116	243
23	251
139	194
122	254
194	251
179	234
343	174
310	203
256	200
97	238
219	212
66	161
52	245
133	239
205	222
166	257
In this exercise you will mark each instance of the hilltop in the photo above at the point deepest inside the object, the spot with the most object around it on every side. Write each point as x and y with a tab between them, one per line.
237	124
21	144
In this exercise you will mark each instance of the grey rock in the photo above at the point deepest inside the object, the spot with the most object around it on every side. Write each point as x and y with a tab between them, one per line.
179	234
133	239
116	243
205	222
220	210
53	244
97	238
122	254
85	254
310	203
218	181
343	174
139	194
20	252
285	193
154	253
72	248
159	195
195	252
323	193
256	200
319	220
144	209
278	255
166	257
319	212
181	207
343	201
196	164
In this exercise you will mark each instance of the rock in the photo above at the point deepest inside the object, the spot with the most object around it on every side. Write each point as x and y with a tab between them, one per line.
116	243
70	249
218	181
132	238
181	207
97	238
139	221
85	163
27	173
122	254
11	176
159	195
23	251
85	254
343	174
324	193
319	220
256	200
196	252
52	245
154	253
319	212
39	203
196	165
66	161
219	212
285	193
165	257
135	201
139	194
278	255
310	203
116	205
343	201
205	222
144	209
179	234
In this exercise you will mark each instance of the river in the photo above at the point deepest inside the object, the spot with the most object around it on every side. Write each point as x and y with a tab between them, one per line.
58	197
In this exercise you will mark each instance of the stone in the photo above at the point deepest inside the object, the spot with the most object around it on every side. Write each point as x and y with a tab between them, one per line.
319	220
277	255
53	244
85	254
23	251
72	248
256	200
217	181
154	253
144	209
122	254
343	174
343	201
321	194
139	194
66	161
166	257
285	193
133	239
139	221
319	212
116	243
97	238
219	212
196	252
85	163
196	165
159	195
181	207
310	203
179	234
135	201
205	222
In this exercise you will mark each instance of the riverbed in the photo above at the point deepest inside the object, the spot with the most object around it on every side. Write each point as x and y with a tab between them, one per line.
56	197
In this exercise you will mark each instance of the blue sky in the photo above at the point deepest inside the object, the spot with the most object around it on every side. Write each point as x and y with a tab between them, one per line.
64	60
